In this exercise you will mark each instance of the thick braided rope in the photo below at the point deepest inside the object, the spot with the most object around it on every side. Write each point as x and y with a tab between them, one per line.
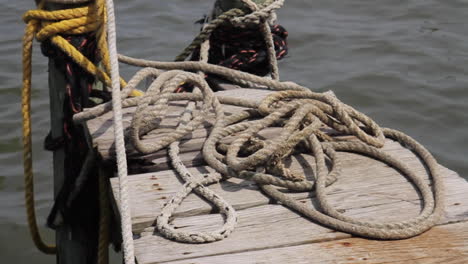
207	30
124	195
260	15
347	116
306	105
31	29
304	108
43	25
162	222
74	21
268	38
430	214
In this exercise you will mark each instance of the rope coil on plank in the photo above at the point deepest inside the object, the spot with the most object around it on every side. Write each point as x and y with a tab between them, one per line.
300	113
301	108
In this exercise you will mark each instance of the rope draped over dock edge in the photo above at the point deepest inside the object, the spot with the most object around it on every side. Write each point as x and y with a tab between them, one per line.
124	196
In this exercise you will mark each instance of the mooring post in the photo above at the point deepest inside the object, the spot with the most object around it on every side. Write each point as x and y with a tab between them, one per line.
75	243
69	240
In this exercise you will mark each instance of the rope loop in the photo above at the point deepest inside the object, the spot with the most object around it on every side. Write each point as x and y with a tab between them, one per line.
159	94
331	112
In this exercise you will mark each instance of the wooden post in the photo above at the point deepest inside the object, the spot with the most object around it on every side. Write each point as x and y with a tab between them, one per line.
70	249
75	244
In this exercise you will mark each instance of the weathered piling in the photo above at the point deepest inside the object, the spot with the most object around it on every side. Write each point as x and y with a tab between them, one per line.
76	234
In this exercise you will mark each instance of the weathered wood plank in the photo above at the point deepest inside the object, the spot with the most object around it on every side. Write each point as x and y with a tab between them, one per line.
367	189
101	131
151	190
101	128
274	226
442	244
190	150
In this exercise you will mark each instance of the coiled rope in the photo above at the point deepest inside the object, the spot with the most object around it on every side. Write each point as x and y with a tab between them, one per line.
303	107
300	113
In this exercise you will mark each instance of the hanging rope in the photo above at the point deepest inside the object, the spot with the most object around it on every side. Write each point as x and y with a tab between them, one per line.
125	213
50	26
30	30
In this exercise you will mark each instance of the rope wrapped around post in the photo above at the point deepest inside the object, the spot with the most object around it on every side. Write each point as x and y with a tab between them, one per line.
233	34
50	26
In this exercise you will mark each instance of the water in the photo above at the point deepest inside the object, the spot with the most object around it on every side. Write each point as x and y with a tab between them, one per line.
404	63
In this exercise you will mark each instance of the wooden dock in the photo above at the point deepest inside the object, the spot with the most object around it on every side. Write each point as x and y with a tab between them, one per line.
271	233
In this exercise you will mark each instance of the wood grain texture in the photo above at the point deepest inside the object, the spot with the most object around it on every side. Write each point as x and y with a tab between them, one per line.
270	233
101	128
101	132
274	226
360	173
446	244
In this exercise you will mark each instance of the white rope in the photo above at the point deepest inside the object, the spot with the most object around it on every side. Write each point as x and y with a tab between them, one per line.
303	111
268	38
195	183
126	221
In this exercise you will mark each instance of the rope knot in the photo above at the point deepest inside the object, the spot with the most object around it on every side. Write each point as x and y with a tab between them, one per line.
72	21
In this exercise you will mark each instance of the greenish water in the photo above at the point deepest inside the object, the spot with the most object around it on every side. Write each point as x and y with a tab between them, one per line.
404	63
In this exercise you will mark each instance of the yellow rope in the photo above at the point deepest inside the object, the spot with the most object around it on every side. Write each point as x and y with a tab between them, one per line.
73	21
31	28
43	25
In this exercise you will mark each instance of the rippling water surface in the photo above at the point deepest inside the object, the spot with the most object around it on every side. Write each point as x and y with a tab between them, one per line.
404	63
